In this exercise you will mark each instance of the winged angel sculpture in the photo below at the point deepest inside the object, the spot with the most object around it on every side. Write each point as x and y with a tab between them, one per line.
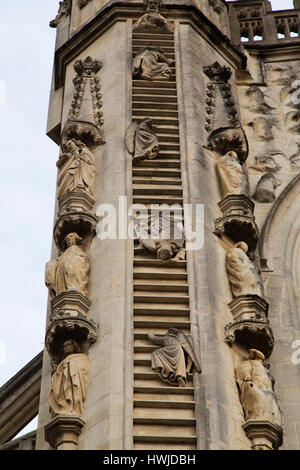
141	140
176	358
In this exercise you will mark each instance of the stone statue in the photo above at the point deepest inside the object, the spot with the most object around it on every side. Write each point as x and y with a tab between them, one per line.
233	178
266	187
141	140
69	271
153	22
69	382
256	387
243	276
176	357
165	249
77	169
151	65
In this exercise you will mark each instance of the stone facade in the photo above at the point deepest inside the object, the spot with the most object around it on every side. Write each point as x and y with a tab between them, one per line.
175	102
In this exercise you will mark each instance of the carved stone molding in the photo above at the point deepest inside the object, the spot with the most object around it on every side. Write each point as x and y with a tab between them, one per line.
63	431
85	115
71	302
76	201
238	228
228	139
237	204
64	10
263	435
71	220
69	325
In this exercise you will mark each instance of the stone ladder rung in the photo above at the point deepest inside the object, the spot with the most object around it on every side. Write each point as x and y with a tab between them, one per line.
172	92
156	190
158	163
146	97
165	421
137	403
152	112
160	287
153	36
161	84
157	199
156	180
161	324
142	335
162	311
160	275
167	51
154	104
165	439
140	261
156	172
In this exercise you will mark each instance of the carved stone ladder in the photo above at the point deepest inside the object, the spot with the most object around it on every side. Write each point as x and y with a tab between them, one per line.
164	415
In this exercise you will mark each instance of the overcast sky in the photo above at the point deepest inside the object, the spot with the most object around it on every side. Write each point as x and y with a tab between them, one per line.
27	176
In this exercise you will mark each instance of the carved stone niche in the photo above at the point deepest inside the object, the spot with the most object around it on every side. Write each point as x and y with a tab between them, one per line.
74	220
263	435
250	328
229	139
69	324
238	227
63	431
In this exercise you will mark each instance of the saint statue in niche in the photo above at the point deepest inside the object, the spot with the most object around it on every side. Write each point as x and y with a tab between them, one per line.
151	65
233	177
70	271
69	382
142	141
256	387
175	359
243	275
77	169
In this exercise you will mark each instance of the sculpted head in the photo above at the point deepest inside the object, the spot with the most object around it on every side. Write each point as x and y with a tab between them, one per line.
232	154
70	346
72	239
255	354
172	332
165	250
242	245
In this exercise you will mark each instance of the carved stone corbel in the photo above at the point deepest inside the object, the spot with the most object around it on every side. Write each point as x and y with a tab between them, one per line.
63	431
71	302
67	325
250	328
71	220
264	435
238	228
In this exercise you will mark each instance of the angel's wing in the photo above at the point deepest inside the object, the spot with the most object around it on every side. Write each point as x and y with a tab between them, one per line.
130	137
186	343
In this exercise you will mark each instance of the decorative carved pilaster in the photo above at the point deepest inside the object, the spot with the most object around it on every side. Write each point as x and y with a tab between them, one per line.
220	106
85	116
63	11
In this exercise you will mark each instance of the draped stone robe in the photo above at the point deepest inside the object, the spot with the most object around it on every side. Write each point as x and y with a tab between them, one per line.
233	177
69	271
243	276
151	65
168	361
69	385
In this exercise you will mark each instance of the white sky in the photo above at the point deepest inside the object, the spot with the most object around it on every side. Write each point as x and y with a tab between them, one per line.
27	176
